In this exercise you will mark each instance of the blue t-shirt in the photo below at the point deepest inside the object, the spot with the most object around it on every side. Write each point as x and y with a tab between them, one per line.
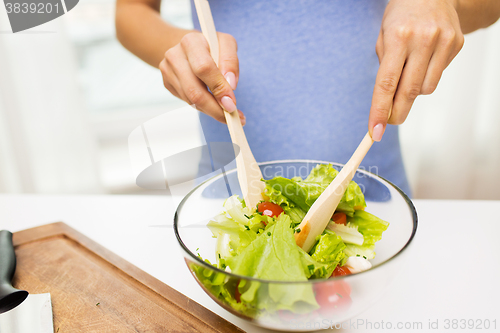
307	71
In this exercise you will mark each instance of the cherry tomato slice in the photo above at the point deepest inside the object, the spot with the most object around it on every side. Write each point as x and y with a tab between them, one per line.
341	270
332	296
344	285
269	209
339	218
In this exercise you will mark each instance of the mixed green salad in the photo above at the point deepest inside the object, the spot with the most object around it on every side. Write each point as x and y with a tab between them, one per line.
259	242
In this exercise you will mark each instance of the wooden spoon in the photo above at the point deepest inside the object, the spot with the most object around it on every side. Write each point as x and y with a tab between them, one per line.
320	213
249	174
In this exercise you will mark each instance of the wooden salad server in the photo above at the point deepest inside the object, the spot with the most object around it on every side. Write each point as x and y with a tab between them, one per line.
320	213
249	174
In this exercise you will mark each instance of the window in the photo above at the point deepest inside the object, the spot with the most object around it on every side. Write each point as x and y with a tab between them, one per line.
120	91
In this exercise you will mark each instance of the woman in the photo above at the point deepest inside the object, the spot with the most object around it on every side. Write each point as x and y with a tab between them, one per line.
311	82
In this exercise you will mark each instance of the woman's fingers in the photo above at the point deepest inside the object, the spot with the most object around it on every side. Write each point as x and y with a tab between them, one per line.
195	91
228	59
450	44
177	73
386	84
412	77
203	66
410	86
242	117
168	77
379	47
417	41
188	69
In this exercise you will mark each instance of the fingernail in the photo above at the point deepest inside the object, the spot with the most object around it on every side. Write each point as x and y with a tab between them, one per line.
378	132
228	104
231	79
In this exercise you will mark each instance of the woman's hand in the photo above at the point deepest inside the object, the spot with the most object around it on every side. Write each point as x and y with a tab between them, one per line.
188	69
417	41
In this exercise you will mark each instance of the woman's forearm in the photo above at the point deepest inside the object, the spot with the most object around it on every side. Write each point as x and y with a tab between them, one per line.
477	14
141	30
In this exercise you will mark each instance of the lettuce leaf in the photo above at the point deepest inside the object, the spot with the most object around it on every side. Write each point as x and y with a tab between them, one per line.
274	256
352	200
290	209
322	174
367	251
232	237
313	268
296	214
275	196
235	230
303	193
234	208
300	193
217	285
370	226
329	250
349	232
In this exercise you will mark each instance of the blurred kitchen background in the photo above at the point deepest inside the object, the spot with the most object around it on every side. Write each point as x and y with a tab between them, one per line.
70	95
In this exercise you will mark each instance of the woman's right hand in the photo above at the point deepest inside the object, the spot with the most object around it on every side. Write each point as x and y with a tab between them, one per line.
188	69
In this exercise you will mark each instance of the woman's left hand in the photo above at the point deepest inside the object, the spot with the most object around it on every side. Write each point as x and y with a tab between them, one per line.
417	41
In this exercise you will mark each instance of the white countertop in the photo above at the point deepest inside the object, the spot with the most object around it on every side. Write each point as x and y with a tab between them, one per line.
452	273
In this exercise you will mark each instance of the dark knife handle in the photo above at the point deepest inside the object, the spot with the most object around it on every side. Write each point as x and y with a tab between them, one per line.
9	296
7	257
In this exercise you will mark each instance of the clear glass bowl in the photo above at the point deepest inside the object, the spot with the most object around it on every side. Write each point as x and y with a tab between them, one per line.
347	295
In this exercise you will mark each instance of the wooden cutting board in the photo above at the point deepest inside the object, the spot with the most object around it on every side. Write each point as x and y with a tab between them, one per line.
94	290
